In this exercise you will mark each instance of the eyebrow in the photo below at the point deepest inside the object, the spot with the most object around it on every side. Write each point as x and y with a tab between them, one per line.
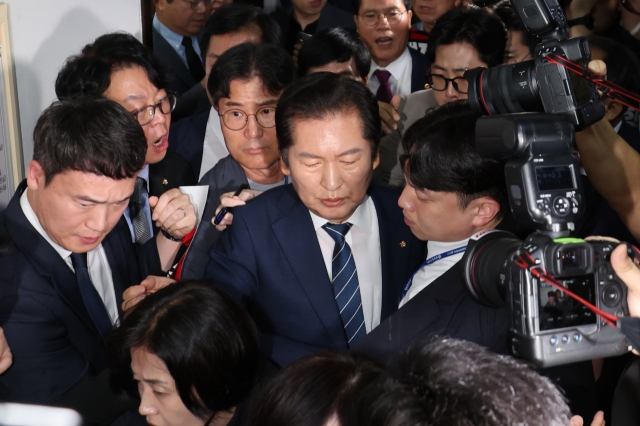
133	98
387	9
443	69
260	104
305	154
94	201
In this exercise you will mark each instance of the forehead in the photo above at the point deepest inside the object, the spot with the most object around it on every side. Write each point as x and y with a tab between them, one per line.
336	67
381	4
457	56
129	84
76	183
148	366
332	134
248	91
220	43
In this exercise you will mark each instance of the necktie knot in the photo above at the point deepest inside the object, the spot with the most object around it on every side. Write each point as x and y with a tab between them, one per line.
79	261
194	62
187	42
382	75
337	231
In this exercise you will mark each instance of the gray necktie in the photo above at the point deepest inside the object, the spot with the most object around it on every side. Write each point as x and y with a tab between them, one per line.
141	228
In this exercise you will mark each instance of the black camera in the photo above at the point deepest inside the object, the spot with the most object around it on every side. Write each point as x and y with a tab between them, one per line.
539	85
547	327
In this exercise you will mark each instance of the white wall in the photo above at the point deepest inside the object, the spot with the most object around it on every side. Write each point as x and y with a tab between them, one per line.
44	33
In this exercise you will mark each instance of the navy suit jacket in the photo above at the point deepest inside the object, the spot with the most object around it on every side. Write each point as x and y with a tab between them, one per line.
54	342
443	308
270	261
186	137
418	70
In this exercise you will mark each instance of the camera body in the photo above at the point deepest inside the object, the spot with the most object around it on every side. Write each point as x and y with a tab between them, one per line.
545	190
548	327
538	85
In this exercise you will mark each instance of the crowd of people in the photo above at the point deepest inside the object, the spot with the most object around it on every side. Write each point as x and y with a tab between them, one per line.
338	138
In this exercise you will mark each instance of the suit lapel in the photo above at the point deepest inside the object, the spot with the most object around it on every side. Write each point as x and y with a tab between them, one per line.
46	261
174	60
299	242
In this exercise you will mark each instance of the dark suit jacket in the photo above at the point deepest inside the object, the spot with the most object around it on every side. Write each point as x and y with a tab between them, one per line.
192	95
270	261
419	70
330	17
186	137
54	342
444	308
226	176
173	171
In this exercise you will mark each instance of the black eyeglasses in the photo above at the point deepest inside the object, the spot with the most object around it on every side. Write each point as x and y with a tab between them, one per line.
145	114
440	82
237	119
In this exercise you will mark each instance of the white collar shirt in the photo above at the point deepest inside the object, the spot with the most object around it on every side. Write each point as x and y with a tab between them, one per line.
214	148
364	240
400	79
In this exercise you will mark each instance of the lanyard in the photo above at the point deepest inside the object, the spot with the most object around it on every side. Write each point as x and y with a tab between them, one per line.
429	261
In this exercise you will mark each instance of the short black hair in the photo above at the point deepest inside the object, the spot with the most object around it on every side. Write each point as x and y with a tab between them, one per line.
623	67
236	17
89	73
442	157
319	95
206	340
90	135
313	389
475	26
334	45
450	382
246	61
512	22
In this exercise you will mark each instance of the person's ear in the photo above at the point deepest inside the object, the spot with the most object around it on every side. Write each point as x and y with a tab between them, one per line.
457	3
284	168
35	176
612	108
376	161
484	210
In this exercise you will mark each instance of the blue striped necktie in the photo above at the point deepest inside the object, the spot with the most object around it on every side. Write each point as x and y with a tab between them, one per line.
345	283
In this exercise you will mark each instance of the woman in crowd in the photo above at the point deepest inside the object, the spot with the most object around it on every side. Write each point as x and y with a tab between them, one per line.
191	352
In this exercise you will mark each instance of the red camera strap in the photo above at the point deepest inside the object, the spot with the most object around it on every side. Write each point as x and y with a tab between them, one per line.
608	88
526	261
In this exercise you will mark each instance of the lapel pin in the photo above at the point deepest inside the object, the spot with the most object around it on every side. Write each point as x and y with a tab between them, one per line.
403	244
165	182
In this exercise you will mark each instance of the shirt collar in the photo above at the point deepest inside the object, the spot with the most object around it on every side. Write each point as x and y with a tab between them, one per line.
617	128
174	39
35	222
396	67
360	219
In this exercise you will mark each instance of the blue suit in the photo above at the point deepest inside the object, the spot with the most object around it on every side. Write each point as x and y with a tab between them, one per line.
270	261
54	341
186	138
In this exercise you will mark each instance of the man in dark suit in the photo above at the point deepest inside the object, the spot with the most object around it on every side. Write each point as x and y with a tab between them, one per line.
72	256
248	80
321	262
451	195
395	68
309	17
118	67
199	138
176	26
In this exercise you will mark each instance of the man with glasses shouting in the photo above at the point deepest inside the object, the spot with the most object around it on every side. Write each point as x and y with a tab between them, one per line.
462	39
120	68
384	26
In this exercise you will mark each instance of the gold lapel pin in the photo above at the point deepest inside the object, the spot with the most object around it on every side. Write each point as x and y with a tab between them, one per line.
403	244
165	182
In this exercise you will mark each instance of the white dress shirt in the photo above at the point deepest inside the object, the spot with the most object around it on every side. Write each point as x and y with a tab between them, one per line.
214	148
429	273
99	270
400	79
364	240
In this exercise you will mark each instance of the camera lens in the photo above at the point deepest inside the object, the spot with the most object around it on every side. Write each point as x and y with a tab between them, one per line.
504	89
483	261
611	295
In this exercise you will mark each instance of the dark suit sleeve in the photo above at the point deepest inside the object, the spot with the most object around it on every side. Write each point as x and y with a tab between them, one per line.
232	263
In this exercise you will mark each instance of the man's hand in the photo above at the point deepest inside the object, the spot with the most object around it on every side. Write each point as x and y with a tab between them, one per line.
229	200
389	114
598	420
5	353
630	275
134	294
173	212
